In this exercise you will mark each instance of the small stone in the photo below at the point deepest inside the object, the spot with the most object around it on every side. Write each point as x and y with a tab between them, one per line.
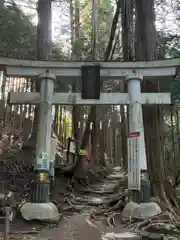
46	212
128	210
146	210
122	236
140	211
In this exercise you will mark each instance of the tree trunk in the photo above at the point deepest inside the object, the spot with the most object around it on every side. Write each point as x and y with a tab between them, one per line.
91	115
145	51
127	44
178	139
76	55
75	34
44	51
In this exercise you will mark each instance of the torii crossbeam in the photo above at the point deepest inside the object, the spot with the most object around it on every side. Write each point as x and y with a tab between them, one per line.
132	72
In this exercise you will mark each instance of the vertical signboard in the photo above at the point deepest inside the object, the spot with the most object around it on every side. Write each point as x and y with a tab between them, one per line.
134	178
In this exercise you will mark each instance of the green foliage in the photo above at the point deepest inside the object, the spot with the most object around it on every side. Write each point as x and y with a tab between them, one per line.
83	46
175	90
57	53
173	51
18	35
173	48
168	46
65	125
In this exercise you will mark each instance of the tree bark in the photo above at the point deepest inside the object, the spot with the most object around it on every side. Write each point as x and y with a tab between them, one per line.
44	51
127	44
145	51
75	34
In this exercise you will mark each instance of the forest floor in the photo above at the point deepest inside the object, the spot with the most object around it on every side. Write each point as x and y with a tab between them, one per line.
90	211
76	208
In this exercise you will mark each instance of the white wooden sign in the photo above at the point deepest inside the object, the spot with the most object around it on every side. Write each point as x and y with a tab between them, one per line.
134	177
72	147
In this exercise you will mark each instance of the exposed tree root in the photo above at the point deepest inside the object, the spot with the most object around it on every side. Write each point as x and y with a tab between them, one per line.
110	219
161	221
171	194
102	191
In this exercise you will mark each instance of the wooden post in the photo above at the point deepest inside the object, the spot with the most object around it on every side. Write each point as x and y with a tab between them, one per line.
7	223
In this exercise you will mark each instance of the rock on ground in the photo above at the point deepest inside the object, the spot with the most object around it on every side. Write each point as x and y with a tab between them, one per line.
140	211
46	212
122	236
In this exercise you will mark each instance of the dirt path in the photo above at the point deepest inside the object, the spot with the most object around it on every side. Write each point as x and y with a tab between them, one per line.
77	225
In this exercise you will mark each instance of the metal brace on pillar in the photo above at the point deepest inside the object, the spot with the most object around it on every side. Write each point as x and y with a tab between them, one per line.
41	184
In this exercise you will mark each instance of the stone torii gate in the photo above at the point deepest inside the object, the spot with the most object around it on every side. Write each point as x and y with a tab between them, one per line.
132	72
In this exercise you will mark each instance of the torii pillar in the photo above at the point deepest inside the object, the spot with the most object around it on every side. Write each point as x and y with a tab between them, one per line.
41	185
40	207
136	155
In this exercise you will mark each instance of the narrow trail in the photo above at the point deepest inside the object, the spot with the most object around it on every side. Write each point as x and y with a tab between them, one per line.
80	226
77	224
